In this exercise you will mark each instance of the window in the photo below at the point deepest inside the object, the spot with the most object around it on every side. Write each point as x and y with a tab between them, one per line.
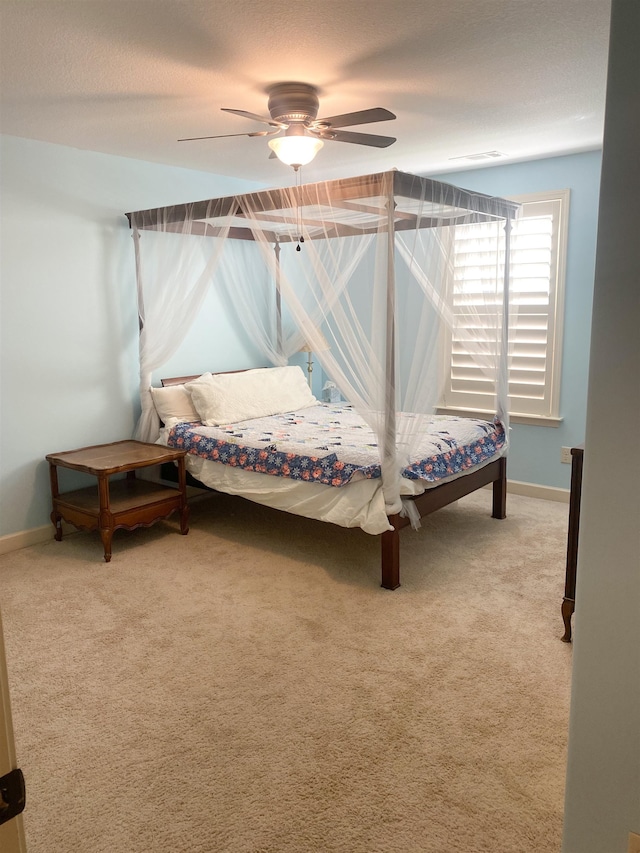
536	292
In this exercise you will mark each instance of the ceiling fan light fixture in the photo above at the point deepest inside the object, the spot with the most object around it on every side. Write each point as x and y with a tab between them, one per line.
295	150
293	108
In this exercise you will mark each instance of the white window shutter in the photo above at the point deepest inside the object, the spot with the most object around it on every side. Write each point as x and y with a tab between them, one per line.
538	246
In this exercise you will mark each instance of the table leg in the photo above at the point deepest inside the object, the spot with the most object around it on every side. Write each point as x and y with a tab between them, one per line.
106	534
182	484
106	520
56	518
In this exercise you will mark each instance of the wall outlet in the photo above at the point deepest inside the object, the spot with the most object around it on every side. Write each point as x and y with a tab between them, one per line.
634	843
565	455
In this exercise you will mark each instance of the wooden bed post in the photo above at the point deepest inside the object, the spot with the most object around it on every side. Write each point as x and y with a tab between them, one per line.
500	491
390	538
390	553
499	509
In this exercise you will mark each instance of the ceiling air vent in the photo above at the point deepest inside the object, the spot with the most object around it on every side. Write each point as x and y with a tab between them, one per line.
483	155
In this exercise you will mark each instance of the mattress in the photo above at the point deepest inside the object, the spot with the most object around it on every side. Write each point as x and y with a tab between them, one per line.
322	462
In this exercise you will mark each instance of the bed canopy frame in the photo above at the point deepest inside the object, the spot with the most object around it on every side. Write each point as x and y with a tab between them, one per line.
367	264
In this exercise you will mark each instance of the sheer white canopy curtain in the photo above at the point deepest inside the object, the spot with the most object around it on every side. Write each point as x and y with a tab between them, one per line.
366	263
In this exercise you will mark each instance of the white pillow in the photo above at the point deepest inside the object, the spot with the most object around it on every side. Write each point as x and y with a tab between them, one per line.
226	398
173	405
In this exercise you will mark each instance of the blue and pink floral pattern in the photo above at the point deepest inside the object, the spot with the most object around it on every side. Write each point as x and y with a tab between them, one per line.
331	444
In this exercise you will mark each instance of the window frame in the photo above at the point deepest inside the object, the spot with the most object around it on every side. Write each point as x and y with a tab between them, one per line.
454	401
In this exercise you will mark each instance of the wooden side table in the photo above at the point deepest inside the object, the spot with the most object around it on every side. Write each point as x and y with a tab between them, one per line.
124	503
569	600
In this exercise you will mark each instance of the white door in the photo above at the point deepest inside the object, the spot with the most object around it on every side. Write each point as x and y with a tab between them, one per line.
11	832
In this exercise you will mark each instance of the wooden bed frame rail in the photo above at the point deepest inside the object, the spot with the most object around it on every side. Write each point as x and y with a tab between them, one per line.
436	498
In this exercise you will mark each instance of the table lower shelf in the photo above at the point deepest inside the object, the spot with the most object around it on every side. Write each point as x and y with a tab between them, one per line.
132	503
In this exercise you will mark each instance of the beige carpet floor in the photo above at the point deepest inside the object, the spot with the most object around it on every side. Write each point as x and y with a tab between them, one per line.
250	688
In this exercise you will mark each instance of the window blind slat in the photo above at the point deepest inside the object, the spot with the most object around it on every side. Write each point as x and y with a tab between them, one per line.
477	301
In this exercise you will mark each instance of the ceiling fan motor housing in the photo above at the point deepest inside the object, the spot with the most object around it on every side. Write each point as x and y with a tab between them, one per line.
293	102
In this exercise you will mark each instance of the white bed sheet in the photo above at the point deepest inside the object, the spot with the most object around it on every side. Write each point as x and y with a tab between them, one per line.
359	504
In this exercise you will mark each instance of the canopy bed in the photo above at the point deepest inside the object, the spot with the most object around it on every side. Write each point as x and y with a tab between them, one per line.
365	272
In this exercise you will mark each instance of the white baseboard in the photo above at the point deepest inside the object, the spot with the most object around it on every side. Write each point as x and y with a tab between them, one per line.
532	490
34	536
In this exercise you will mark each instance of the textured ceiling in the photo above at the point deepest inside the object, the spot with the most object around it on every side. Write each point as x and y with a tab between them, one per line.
129	77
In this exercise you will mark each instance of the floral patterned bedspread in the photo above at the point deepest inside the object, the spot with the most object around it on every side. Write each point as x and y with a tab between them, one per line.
331	444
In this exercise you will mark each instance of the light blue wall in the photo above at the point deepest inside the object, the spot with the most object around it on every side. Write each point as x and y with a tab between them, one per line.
534	456
68	316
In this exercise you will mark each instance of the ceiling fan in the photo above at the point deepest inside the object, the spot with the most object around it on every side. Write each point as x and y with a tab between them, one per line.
293	108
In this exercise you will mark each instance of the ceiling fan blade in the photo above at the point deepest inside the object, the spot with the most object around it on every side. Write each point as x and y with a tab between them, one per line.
254	116
225	135
360	117
358	138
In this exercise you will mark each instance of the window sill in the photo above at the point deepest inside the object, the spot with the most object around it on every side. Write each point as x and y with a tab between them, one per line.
514	418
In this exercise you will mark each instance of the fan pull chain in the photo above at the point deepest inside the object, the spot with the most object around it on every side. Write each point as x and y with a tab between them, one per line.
298	209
